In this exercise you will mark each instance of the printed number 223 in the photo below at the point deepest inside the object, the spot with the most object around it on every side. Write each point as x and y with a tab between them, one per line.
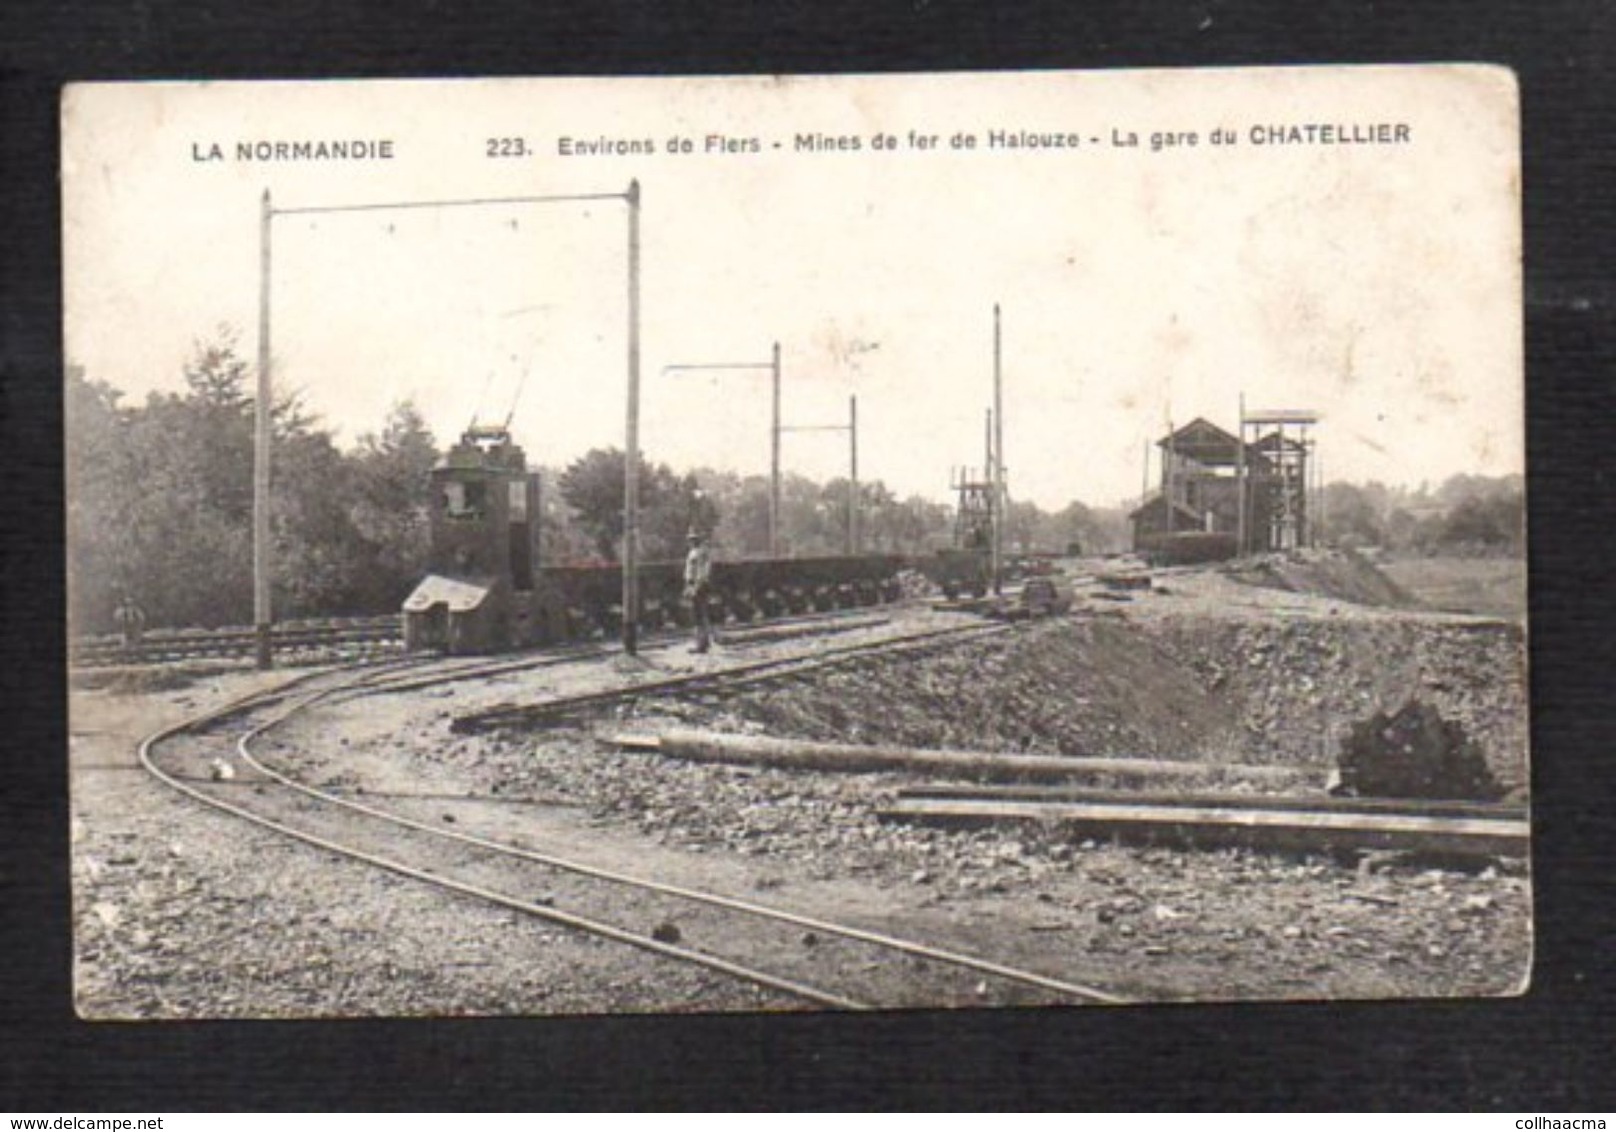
507	147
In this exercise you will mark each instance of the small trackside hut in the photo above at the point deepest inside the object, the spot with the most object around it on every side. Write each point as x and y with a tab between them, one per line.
482	591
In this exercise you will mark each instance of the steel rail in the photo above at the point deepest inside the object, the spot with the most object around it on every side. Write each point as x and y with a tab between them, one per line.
736	676
893	943
164	646
760	978
554	655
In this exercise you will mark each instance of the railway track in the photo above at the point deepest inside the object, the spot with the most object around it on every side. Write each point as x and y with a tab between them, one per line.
346	634
795	959
722	681
738	634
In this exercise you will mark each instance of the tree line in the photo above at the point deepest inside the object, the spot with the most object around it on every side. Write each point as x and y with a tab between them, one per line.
159	508
160	499
1465	515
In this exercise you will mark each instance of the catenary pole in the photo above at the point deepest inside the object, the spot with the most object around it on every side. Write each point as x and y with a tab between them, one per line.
997	474
631	455
263	613
1240	484
774	459
852	483
262	565
773	368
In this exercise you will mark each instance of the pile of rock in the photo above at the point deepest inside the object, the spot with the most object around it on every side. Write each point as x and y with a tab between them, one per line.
1414	753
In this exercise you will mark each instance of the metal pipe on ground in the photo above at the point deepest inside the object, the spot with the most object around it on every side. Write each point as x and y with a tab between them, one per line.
1208	827
1309	802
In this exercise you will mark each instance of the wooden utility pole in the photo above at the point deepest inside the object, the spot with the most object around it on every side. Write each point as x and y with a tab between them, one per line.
853	485
1168	471
774	461
996	475
987	447
631	455
263	612
1240	482
1317	523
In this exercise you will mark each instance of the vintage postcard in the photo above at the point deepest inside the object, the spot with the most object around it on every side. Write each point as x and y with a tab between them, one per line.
557	546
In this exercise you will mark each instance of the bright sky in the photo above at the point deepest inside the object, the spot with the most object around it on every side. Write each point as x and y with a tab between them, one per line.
1378	284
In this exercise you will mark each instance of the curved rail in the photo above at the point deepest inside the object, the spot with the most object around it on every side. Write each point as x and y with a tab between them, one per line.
729	677
475	668
552	915
894	943
1076	991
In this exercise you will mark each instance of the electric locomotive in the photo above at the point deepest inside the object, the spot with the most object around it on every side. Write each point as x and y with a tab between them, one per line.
487	588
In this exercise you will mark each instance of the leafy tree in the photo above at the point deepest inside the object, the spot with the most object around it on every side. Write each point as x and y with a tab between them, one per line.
1484	524
831	518
670	505
102	494
390	505
922	525
160	503
1351	516
804	528
743	531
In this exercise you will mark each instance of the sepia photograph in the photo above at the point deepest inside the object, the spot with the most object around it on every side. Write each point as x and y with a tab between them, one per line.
583	546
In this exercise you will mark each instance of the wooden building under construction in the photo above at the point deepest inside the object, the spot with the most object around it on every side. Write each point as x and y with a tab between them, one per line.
1221	495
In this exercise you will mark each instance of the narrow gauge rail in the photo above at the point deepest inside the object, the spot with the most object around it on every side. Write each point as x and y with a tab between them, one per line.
363	634
721	680
469	668
767	939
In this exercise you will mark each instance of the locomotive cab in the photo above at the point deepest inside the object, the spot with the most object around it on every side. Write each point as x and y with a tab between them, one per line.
481	591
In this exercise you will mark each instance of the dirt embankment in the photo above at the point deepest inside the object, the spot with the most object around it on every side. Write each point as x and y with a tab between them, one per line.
1061	687
1342	574
1492	587
1299	686
1284	691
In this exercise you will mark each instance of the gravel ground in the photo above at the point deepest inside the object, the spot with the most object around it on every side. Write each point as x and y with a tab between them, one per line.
183	914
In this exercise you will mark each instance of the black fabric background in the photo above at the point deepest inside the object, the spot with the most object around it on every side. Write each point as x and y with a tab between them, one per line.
1548	1052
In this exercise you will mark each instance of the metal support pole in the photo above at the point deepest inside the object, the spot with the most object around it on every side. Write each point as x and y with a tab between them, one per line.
987	446
774	461
1285	471
631	455
1168	475
263	613
997	474
1240	483
1316	517
262	610
853	485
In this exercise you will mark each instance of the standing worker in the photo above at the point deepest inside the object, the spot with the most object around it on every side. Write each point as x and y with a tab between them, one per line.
698	578
131	620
